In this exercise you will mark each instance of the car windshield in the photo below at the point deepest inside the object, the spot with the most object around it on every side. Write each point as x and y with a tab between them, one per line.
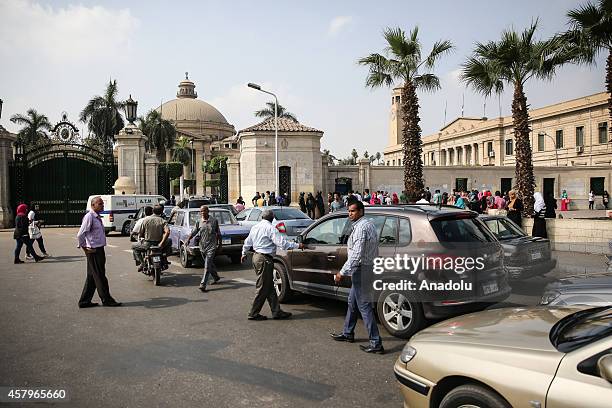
243	214
581	328
455	230
224	217
503	228
289	214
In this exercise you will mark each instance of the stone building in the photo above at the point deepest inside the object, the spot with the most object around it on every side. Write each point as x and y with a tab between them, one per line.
569	133
198	121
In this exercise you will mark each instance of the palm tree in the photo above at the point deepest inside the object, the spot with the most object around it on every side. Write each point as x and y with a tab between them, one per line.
354	156
161	133
34	130
378	156
182	154
330	158
403	62
591	33
103	115
513	60
268	112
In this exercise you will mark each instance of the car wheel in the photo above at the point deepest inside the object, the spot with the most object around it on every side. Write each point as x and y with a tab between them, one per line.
399	313
281	283
125	230
235	259
472	395
184	256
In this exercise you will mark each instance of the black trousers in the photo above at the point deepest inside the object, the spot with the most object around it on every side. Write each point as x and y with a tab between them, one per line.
41	246
96	278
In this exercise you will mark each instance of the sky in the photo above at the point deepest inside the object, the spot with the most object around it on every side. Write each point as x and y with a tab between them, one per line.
56	55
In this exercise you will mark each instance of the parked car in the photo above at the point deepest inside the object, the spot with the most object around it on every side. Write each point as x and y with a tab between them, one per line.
513	357
524	256
593	291
140	214
198	201
182	223
118	208
288	220
229	207
402	230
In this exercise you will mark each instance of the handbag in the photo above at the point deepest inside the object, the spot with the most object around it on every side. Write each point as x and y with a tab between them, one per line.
34	231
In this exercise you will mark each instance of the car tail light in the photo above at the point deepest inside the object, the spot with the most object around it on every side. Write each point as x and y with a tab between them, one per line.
111	217
281	227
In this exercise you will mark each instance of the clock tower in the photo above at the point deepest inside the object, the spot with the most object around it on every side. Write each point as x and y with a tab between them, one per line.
395	122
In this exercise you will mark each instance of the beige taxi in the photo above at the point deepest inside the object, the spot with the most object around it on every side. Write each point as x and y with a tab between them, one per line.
513	357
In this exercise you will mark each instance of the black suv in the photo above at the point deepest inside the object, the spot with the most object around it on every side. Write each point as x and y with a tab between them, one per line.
415	230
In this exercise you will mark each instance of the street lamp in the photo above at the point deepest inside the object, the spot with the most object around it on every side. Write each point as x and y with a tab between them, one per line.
554	145
1	102
192	168
258	88
130	110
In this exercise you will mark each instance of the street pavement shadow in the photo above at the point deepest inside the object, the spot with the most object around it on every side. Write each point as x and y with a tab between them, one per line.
531	287
162	302
64	259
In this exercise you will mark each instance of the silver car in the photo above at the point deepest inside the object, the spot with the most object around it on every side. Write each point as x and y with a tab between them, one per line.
593	291
287	220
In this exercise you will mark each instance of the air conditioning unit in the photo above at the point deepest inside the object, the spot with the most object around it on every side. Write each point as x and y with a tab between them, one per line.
579	149
491	153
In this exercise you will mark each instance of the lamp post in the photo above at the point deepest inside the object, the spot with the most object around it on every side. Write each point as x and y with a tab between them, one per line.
1	102
130	110
554	145
258	88
192	168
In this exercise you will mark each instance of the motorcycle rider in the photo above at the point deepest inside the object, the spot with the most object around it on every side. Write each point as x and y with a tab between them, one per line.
153	231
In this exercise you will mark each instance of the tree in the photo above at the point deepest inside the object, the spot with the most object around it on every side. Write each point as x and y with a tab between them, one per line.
34	128
103	115
403	62
161	133
366	154
354	156
513	60
378	156
268	112
591	33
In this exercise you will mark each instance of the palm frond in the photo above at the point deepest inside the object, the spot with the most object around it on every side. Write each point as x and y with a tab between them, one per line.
483	75
439	48
427	82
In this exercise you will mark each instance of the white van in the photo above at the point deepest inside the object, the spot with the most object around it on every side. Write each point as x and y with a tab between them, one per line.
117	209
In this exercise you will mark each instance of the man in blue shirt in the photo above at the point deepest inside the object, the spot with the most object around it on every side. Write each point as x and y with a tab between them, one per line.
362	249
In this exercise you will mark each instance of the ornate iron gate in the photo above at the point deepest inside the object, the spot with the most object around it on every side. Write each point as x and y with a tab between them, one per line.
60	177
223	184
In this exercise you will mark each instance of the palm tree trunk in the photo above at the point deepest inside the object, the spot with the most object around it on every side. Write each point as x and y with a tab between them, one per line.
412	144
524	164
168	155
609	86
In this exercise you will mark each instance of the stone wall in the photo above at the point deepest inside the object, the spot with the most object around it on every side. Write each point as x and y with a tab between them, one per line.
577	235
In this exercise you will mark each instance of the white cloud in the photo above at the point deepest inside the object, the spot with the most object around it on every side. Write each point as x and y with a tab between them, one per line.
37	34
338	23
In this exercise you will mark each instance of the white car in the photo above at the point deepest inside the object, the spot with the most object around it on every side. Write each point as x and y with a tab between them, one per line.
287	220
118	208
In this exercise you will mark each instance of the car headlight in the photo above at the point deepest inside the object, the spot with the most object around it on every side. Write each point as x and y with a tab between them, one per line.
549	297
407	354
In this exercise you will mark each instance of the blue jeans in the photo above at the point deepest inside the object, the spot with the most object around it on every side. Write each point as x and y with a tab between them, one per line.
209	266
356	305
21	241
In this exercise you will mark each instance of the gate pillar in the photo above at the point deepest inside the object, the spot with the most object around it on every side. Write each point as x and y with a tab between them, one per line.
6	156
233	179
131	156
151	164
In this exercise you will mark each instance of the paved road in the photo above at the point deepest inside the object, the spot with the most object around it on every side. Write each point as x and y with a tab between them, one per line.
175	346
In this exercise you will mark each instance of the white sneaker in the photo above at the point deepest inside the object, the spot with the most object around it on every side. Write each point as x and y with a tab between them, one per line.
29	257
46	255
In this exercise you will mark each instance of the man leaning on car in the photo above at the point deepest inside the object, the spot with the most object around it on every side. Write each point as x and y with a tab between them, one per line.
263	239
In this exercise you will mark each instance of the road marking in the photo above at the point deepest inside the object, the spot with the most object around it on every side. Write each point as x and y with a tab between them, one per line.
111	246
127	250
247	281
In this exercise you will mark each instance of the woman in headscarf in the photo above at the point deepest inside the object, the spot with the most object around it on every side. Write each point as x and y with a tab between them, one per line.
539	222
302	203
515	207
461	201
22	236
551	206
564	201
395	199
310	205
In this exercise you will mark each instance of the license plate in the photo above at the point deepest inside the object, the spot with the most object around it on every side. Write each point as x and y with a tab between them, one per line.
226	241
156	259
536	255
489	287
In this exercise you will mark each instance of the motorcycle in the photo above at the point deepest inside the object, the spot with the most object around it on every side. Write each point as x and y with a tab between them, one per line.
155	262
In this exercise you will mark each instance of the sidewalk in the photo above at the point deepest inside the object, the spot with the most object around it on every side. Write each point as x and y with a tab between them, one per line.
575	263
582	214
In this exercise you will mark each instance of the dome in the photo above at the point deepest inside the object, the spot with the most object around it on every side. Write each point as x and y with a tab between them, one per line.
187	107
191	109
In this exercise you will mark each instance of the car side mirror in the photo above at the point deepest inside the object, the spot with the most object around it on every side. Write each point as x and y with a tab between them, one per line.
604	364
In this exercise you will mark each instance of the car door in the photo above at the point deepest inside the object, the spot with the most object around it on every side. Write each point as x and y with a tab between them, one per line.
174	230
253	218
313	269
578	383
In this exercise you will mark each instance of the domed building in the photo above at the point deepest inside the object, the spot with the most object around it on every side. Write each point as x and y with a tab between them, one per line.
198	121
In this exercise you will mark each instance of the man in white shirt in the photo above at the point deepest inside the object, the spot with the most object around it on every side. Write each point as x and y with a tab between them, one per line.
264	238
